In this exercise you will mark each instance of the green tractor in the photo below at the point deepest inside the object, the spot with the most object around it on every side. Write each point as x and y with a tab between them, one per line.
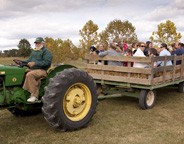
67	96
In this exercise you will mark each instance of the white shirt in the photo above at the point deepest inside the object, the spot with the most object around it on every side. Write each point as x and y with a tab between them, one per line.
139	53
164	52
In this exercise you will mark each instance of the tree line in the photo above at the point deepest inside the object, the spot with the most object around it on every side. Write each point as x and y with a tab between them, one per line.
116	30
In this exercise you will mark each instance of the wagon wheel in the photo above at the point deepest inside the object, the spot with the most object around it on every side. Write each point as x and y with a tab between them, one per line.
70	100
181	87
147	99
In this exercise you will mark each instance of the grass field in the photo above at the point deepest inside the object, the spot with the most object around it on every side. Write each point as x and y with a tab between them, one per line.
117	121
9	60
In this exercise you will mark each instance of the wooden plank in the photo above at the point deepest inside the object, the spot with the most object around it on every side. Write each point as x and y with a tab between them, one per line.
177	76
179	57
119	58
168	77
120	79
161	69
119	69
178	67
162	58
160	79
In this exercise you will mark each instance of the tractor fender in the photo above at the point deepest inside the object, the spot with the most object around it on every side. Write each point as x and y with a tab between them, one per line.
53	71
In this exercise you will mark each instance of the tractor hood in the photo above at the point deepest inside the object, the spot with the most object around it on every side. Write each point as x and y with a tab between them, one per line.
12	75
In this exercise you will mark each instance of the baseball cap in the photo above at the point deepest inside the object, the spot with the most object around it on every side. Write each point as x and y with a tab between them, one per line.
39	40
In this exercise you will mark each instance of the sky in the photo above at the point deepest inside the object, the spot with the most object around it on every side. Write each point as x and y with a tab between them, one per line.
64	18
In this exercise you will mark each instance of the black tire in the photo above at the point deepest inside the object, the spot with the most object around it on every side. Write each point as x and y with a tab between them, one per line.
147	99
181	87
63	106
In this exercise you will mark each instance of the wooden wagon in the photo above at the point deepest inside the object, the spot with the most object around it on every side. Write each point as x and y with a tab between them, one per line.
114	81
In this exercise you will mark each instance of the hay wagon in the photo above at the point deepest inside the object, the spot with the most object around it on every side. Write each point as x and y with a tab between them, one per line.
142	83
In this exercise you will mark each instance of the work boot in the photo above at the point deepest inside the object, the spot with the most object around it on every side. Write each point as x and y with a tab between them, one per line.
32	99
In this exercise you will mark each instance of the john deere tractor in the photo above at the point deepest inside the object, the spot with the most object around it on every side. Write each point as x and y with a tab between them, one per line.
67	97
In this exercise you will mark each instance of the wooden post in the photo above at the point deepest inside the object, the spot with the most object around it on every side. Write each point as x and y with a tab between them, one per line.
182	67
152	70
102	72
164	73
174	68
129	65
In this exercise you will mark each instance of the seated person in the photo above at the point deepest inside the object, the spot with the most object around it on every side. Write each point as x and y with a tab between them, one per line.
148	46
38	62
140	53
164	52
93	50
179	50
153	52
112	51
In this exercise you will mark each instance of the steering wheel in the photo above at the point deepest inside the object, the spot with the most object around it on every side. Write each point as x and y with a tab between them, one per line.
20	63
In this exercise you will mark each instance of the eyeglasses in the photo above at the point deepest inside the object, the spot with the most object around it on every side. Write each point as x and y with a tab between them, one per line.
142	46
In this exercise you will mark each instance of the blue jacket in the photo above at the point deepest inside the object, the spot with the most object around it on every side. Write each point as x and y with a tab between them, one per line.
179	51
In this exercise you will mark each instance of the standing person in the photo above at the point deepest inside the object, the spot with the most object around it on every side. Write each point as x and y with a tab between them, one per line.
148	46
38	62
164	52
140	53
112	51
125	46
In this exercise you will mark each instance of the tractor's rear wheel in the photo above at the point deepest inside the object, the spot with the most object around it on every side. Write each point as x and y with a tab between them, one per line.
70	100
147	99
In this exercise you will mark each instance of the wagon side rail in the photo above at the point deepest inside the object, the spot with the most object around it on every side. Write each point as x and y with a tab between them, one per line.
127	74
170	73
151	76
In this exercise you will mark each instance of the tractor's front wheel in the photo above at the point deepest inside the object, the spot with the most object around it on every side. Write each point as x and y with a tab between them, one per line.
70	100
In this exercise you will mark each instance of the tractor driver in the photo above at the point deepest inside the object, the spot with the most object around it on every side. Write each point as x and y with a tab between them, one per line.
38	63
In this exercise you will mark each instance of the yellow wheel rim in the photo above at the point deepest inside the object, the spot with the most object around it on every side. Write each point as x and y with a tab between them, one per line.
77	102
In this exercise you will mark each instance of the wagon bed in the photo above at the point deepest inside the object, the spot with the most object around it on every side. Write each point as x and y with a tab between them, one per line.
147	78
